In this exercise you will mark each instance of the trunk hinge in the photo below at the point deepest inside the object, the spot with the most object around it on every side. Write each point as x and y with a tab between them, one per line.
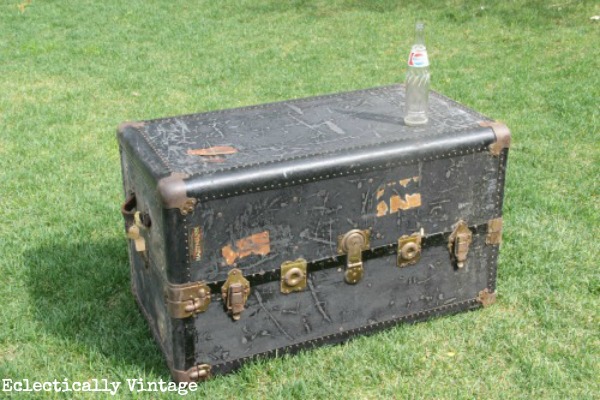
188	299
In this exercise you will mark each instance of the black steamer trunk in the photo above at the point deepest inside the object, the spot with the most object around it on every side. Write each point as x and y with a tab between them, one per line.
263	230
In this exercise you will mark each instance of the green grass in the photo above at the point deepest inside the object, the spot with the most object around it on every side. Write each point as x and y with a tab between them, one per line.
70	72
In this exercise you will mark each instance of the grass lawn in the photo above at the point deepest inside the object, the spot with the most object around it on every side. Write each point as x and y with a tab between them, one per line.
70	72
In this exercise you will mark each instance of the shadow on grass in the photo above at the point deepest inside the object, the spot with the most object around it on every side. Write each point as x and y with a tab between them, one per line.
81	292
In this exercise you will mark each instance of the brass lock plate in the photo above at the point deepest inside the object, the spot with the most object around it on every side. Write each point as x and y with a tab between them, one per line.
235	292
352	244
187	299
409	249
293	276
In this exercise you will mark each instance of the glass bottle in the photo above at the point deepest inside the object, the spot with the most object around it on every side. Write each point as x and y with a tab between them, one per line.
417	81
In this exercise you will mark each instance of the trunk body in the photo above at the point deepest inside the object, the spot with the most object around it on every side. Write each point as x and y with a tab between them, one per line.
341	219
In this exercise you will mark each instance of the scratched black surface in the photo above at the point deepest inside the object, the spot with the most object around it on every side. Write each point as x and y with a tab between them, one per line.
298	128
329	306
304	220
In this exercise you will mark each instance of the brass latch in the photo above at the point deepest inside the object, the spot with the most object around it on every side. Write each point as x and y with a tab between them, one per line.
135	221
409	249
235	292
293	276
187	299
459	242
353	244
134	232
139	242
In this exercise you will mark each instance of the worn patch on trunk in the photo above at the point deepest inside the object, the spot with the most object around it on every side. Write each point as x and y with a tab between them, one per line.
213	151
257	244
195	244
397	201
409	201
213	154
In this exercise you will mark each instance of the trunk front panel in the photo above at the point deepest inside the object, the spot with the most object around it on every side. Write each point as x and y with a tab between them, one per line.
330	307
257	232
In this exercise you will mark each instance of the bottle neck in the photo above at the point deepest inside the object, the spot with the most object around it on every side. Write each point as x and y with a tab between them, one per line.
420	34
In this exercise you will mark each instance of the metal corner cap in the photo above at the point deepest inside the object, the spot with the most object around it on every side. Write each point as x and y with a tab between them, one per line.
197	373
172	191
502	136
129	124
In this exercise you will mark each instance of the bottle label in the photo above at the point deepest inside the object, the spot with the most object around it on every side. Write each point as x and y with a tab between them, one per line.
418	58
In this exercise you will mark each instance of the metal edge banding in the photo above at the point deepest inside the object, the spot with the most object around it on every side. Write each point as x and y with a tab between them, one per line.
290	172
228	366
387	143
502	167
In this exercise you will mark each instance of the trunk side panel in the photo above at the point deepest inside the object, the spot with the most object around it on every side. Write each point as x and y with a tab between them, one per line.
149	272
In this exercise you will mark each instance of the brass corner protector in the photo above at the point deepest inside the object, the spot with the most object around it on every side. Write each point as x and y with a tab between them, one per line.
502	136
197	373
188	299
494	232
173	193
293	276
129	124
486	298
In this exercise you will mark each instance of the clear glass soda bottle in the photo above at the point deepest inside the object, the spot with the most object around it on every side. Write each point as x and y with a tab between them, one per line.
417	80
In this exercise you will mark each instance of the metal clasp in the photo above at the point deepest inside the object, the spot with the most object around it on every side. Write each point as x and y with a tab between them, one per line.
293	276
353	243
458	243
235	292
409	249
